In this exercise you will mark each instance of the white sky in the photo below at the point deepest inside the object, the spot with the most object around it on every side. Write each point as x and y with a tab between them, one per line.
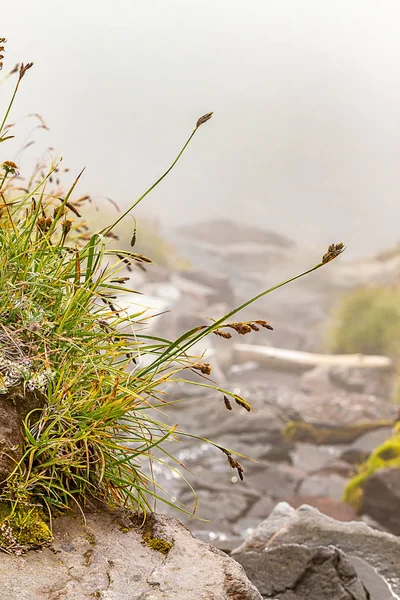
305	138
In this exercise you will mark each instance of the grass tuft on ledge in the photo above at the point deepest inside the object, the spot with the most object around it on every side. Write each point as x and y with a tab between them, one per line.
64	337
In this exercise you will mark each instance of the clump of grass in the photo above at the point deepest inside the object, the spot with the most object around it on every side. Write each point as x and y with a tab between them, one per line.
59	291
367	321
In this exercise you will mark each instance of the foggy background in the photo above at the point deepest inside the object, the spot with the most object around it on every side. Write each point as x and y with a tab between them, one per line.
305	135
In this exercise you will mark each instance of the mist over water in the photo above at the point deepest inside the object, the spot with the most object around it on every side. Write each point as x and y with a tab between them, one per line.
306	95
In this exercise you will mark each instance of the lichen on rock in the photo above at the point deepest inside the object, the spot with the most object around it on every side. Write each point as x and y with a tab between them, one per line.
22	527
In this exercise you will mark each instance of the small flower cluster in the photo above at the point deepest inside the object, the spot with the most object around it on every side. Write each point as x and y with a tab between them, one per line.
12	373
40	381
7	534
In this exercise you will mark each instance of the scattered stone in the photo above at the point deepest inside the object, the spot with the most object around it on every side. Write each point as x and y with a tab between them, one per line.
342	407
325	433
331	508
381	498
331	486
365	381
317	381
367	443
299	572
374	554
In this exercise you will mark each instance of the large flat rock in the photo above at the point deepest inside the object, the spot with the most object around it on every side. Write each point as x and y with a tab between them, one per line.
108	558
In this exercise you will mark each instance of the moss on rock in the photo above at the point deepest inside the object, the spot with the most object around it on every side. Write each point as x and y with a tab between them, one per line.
22	527
158	544
384	456
325	433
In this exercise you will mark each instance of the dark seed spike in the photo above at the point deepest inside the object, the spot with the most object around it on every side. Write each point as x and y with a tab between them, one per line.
227	403
133	240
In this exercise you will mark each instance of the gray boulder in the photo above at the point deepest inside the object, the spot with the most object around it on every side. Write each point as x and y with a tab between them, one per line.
297	572
115	557
381	499
375	555
377	382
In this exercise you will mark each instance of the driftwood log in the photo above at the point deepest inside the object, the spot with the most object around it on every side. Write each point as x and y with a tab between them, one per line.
295	360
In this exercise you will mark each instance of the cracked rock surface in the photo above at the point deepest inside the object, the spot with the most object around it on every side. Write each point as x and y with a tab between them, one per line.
296	572
108	559
296	554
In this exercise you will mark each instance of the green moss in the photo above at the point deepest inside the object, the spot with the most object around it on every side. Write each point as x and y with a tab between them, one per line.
367	320
158	544
123	529
321	433
22	527
384	456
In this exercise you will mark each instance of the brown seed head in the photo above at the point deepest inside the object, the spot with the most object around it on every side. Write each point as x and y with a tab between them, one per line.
241	328
223	334
204	119
23	69
227	403
242	403
264	324
333	251
43	224
2	41
204	368
66	226
234	464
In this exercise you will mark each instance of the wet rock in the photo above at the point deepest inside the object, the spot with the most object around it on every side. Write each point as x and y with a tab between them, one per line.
340	407
366	381
337	467
259	510
278	481
381	499
354	456
331	508
374	554
113	557
317	381
366	443
298	572
325	433
331	486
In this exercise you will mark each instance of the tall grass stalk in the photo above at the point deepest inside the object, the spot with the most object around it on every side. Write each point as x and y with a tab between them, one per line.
64	338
